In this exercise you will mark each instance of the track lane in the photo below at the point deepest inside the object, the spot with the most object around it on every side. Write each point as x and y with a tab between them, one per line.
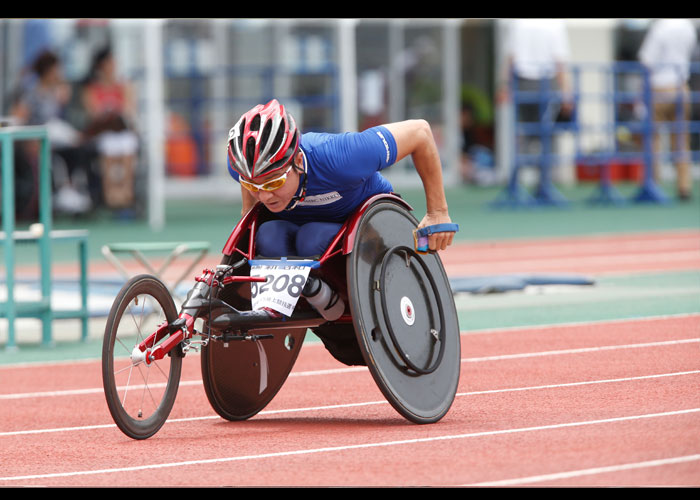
561	405
601	253
375	453
519	350
341	436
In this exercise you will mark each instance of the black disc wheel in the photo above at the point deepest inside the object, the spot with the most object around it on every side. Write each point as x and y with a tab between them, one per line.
140	394
241	377
404	315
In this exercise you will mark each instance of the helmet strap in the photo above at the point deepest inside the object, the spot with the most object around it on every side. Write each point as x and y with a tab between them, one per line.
302	192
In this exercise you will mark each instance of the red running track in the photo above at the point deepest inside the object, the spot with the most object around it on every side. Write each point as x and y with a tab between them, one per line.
601	254
597	254
609	403
614	403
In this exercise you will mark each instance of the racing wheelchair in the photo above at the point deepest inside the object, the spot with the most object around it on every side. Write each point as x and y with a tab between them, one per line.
397	317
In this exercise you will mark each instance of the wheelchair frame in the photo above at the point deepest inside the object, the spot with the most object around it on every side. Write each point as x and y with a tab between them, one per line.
226	323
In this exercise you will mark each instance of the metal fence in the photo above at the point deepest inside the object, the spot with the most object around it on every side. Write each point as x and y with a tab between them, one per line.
612	129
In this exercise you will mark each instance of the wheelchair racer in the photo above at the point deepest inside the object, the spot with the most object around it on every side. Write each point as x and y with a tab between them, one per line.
313	182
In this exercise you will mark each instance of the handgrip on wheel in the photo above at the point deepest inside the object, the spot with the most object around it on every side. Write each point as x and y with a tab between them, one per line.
420	236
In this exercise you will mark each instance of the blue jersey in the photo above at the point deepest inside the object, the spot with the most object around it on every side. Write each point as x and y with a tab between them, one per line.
343	170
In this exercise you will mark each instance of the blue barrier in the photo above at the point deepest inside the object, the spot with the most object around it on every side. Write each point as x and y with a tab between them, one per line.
548	128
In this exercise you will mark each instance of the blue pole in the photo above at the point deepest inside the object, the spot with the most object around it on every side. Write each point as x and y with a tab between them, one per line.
514	194
547	194
607	193
650	191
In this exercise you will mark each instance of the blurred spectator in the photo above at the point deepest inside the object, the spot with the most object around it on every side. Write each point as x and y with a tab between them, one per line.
25	165
476	124
667	50
110	114
43	102
537	51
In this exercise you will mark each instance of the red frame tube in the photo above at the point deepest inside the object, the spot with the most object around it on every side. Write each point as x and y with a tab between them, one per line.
175	338
346	234
343	242
154	338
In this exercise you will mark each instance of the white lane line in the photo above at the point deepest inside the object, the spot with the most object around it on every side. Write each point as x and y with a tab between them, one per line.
579	350
78	392
183	383
573	262
475	331
559	352
332	449
365	403
576	384
570	324
590	472
572	296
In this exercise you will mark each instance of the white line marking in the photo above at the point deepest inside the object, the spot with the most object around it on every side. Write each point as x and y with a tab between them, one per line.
76	392
550	326
575	384
183	383
576	262
579	350
546	296
366	403
503	329
345	447
589	472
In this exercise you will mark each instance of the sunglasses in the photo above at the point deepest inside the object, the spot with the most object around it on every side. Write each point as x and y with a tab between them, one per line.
270	185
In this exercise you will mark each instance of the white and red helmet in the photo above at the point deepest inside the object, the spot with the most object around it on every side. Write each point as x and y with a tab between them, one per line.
264	140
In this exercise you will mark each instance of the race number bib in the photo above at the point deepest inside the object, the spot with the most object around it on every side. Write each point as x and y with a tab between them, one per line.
282	288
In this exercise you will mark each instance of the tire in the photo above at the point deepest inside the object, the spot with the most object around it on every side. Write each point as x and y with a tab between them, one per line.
139	396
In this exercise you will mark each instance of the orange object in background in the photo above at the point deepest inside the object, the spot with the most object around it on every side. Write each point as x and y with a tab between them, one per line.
181	156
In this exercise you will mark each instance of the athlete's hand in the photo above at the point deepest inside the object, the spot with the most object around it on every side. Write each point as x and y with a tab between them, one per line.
437	241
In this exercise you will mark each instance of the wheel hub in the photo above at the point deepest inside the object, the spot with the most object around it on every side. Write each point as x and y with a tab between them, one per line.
408	313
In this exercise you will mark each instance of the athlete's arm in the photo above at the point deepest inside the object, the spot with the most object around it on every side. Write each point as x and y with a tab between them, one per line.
414	138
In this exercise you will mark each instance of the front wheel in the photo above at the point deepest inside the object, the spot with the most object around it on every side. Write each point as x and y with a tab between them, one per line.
139	395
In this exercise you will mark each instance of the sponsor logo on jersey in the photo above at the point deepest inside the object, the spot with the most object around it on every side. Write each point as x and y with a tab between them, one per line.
386	146
321	199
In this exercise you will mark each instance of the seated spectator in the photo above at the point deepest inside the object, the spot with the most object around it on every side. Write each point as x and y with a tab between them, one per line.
26	167
110	112
43	102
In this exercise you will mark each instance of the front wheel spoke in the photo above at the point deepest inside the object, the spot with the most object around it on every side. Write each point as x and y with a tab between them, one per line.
126	367
143	393
121	343
147	390
137	324
126	386
143	305
157	365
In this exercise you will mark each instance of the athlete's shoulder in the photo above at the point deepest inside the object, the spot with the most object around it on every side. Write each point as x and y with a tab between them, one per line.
312	139
371	145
